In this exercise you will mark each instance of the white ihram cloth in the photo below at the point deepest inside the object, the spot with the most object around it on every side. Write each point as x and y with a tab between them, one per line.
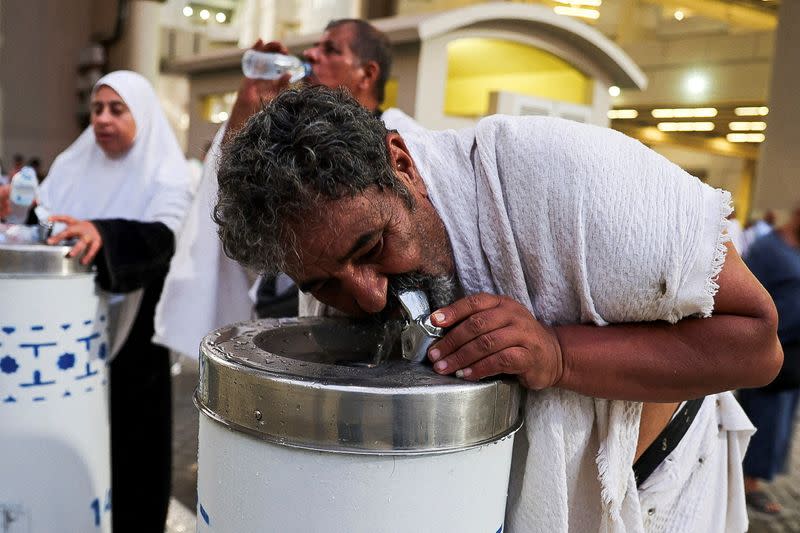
204	289
149	183
584	225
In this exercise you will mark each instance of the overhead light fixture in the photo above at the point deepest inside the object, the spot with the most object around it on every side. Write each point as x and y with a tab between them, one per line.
692	112
188	11
204	14
685	126
760	111
582	3
745	137
622	113
696	83
577	12
221	17
747	126
613	90
679	15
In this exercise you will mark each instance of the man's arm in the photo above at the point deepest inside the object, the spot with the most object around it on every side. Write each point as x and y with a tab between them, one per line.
253	94
654	362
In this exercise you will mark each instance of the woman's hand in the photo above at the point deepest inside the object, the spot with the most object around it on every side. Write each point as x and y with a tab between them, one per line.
493	335
5	204
89	240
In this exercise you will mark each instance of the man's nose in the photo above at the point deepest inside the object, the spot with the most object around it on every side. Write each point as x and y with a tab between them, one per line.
310	54
367	287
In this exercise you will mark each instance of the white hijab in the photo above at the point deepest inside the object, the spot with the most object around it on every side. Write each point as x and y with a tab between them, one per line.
150	183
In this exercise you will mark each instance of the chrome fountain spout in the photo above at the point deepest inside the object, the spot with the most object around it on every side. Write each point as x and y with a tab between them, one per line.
418	332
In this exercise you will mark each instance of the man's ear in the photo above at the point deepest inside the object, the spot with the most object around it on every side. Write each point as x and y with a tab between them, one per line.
403	164
370	77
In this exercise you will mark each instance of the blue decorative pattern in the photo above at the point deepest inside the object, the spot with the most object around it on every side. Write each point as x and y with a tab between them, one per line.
44	361
66	361
8	365
204	514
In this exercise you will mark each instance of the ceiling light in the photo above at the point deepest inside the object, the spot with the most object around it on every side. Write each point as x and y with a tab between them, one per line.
692	112
679	15
577	12
204	14
685	126
751	111
613	90
188	11
590	3
747	126
745	137
622	113
221	17
696	83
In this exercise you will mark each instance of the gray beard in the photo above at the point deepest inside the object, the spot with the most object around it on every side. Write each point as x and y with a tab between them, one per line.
440	290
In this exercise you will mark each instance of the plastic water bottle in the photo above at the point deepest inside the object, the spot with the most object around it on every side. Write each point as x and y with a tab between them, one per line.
271	66
24	187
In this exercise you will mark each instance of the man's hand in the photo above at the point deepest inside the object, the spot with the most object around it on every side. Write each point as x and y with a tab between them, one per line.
89	239
253	92
496	335
5	205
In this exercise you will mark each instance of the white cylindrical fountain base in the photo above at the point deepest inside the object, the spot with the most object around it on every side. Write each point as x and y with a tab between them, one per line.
248	484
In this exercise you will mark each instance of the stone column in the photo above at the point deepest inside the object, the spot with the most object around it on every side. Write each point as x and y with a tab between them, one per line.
138	48
778	178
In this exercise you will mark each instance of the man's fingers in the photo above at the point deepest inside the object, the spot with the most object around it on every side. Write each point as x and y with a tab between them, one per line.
482	347
508	361
275	47
458	311
467	330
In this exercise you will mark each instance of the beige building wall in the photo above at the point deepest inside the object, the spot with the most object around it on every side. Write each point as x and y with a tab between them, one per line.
778	177
39	45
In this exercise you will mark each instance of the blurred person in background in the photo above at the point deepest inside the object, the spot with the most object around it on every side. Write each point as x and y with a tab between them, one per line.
18	163
351	53
122	189
775	260
36	164
757	229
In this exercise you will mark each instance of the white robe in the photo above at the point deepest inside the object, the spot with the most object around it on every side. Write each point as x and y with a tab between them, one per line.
584	225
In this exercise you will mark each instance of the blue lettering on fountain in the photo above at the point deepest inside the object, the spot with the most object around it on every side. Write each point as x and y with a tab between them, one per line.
88	340
89	372
36	346
37	381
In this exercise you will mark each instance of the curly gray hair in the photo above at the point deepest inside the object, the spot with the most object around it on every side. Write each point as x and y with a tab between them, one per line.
308	146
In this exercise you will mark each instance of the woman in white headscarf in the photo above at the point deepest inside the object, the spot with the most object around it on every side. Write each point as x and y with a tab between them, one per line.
122	189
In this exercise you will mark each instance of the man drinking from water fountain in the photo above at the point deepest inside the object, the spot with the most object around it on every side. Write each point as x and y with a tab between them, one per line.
570	256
